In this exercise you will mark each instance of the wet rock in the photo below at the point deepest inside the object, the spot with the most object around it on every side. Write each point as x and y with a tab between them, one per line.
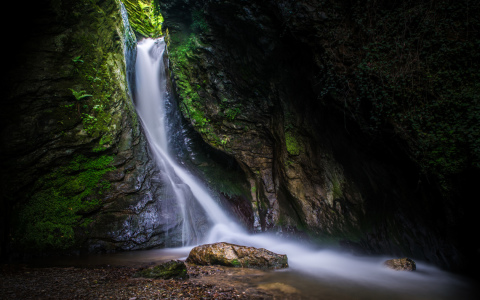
172	269
301	169
401	264
232	255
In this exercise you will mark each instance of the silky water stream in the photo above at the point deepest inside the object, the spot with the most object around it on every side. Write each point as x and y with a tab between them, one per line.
312	273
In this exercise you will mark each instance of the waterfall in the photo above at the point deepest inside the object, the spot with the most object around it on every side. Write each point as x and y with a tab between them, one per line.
322	264
150	96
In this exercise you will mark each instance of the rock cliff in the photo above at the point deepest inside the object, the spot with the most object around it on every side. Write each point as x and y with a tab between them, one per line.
76	173
338	117
352	124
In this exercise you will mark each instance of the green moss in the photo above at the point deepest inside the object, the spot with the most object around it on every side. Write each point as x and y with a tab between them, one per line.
168	270
236	263
192	106
144	17
93	75
293	146
54	211
232	112
49	220
336	188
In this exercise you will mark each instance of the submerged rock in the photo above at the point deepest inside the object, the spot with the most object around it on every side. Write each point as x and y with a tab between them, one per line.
401	264
232	255
171	269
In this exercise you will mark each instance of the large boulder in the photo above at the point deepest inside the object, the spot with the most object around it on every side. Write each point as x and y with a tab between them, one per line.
232	255
401	264
172	269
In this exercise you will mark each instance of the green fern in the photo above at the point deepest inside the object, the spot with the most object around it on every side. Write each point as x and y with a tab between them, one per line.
79	95
77	59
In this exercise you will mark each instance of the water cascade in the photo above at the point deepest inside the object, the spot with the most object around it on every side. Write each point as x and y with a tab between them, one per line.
326	265
150	83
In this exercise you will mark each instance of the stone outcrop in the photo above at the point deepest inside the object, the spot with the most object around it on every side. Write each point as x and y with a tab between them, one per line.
292	96
401	264
76	173
173	269
232	255
72	150
286	88
75	169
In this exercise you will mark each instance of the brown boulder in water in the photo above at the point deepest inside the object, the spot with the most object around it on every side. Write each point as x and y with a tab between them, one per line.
232	255
401	264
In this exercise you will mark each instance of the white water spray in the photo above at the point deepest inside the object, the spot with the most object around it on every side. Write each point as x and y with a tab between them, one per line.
150	96
326	264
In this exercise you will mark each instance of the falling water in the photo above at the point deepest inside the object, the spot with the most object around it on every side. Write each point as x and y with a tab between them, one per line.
150	86
321	265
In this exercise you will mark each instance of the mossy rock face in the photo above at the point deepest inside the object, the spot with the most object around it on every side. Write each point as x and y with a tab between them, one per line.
231	255
401	264
76	153
61	199
293	146
358	135
173	269
145	17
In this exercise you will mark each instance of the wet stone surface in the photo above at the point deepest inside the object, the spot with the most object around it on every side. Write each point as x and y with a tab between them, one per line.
401	264
232	255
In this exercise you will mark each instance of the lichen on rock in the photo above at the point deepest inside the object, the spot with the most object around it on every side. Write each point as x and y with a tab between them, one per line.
232	255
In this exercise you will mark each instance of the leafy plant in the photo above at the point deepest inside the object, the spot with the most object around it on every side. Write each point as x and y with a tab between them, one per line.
79	95
77	59
225	140
232	113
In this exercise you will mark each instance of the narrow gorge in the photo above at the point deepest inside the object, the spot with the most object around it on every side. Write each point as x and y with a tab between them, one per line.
347	125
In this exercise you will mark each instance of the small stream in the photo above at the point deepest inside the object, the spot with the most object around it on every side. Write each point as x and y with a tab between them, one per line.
332	275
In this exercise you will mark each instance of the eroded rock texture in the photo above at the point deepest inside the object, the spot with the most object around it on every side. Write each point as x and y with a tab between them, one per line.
294	99
291	89
230	255
75	167
71	49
